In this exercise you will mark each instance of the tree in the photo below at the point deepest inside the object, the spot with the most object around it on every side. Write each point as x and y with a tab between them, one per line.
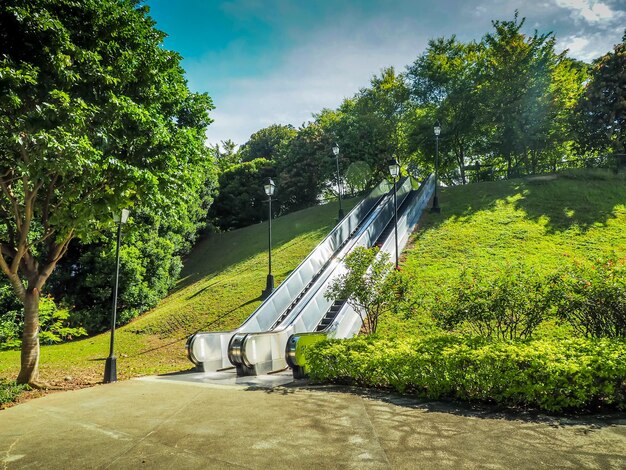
444	88
267	143
241	199
368	127
515	86
95	116
369	285
225	154
305	167
603	108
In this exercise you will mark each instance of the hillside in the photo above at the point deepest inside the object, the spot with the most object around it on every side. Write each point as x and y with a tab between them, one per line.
219	287
541	222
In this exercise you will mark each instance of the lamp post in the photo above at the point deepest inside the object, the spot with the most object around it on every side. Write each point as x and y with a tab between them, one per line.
436	207
336	152
269	285
394	170
110	366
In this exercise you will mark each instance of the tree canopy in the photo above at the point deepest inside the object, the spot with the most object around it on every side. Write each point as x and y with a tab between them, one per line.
95	116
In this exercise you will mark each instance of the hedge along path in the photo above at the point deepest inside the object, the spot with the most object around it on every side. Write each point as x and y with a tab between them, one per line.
552	375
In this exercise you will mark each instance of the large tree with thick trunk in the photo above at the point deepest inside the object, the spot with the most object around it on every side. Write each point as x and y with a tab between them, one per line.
95	115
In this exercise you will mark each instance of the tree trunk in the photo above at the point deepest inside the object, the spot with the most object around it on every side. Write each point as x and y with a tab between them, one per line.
462	159
29	371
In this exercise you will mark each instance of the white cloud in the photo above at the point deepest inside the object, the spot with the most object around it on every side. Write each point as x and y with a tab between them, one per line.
321	67
331	64
577	47
591	11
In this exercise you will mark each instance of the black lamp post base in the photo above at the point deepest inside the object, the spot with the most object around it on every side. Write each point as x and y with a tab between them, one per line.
110	370
435	209
269	287
340	215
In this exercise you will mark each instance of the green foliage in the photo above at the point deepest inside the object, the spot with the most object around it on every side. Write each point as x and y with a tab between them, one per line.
225	154
509	305
54	325
268	143
11	324
150	262
369	285
601	114
592	298
507	101
305	168
368	126
11	321
552	375
242	200
9	391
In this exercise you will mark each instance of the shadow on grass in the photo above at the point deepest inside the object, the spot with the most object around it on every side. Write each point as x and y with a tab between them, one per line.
583	199
221	250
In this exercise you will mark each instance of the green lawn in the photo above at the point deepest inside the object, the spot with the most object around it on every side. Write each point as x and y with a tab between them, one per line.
220	286
542	222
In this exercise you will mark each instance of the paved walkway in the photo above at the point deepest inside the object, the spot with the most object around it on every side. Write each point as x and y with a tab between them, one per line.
193	422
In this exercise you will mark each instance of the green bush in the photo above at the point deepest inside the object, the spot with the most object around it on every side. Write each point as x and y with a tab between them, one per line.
509	305
547	374
592	298
9	391
54	325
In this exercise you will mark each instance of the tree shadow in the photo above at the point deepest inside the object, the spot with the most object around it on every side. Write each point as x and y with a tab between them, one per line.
560	202
594	419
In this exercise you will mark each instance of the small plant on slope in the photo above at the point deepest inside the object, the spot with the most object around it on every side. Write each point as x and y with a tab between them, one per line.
368	285
509	306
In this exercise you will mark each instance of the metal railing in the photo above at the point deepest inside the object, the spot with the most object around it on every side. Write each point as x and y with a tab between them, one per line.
347	323
263	351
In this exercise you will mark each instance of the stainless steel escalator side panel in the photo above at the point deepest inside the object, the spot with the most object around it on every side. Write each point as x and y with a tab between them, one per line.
266	349
347	322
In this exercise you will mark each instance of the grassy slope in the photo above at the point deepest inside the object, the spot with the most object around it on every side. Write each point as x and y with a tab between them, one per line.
220	286
539	221
542	222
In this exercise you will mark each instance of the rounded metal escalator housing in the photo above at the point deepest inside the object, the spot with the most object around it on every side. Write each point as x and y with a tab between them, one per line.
236	350
290	351
189	347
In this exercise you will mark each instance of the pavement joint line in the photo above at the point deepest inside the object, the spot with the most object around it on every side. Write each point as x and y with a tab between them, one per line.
7	455
375	434
151	431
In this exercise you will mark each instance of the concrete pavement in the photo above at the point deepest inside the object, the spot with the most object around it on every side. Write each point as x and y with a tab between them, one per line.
187	421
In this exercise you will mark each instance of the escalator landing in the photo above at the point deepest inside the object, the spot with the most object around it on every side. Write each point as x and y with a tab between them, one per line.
226	378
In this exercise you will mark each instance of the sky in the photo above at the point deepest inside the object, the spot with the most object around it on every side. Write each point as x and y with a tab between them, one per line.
269	62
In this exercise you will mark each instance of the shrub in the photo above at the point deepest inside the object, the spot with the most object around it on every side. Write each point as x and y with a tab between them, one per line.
369	285
9	391
53	326
53	323
593	298
549	375
510	305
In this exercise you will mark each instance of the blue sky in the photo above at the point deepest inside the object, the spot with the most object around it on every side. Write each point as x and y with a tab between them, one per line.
279	61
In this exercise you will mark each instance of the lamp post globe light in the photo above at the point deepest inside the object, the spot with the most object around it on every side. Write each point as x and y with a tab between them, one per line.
110	366
336	152
394	170
269	285
436	207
